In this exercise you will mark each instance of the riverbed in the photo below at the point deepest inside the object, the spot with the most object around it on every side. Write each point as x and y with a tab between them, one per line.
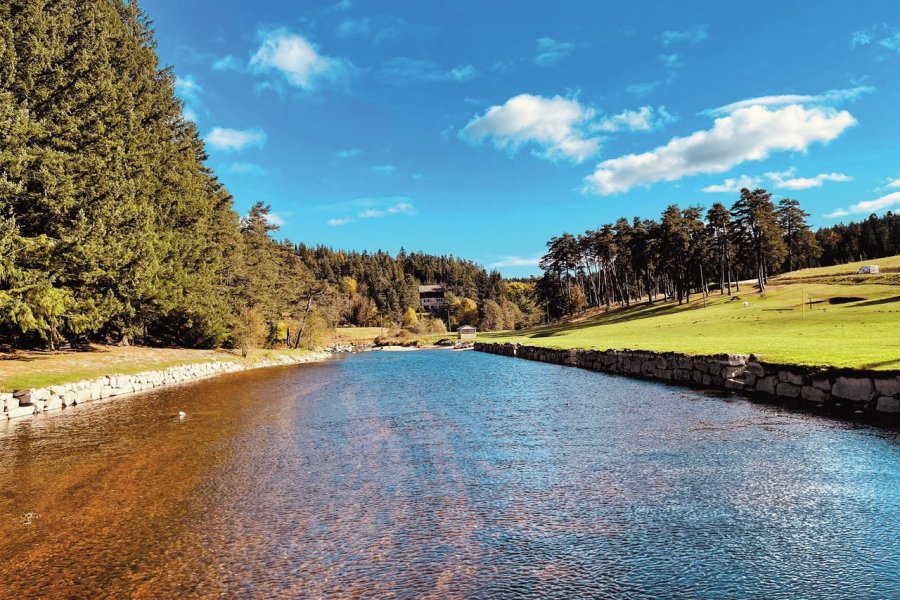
451	474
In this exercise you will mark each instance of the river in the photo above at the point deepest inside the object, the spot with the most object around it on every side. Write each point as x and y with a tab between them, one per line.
444	474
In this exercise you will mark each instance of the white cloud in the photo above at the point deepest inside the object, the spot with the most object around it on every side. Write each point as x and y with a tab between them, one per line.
384	169
557	125
831	97
296	59
750	133
247	168
188	90
786	179
275	219
227	63
378	209
893	183
232	140
550	51
405	70
401	208
869	206
642	119
515	261
691	35
733	185
354	28
886	36
837	214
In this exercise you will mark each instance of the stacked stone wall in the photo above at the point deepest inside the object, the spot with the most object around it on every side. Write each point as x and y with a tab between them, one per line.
848	391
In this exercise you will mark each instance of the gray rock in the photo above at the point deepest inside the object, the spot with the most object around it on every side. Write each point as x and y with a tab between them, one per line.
856	389
886	404
812	394
821	382
888	387
731	372
787	390
756	368
790	377
766	385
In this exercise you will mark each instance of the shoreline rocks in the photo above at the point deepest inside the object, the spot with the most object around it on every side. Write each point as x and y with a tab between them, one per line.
28	402
845	392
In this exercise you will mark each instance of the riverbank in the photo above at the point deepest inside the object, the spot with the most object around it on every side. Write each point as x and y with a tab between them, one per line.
853	393
826	316
27	401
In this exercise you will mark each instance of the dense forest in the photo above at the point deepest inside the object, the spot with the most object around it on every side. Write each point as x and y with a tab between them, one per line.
692	251
113	229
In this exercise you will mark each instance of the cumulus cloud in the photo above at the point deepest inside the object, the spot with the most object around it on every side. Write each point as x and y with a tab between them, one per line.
691	35
515	261
746	134
296	59
378	209
276	220
837	214
404	70
233	140
780	179
550	51
893	183
643	119
831	97
786	179
891	200
558	126
733	185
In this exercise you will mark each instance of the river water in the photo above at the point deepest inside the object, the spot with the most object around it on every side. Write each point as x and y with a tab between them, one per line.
444	474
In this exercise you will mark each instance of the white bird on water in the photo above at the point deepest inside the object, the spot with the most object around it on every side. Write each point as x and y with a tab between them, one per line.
181	414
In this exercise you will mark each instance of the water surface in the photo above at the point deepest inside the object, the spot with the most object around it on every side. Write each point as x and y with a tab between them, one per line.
447	474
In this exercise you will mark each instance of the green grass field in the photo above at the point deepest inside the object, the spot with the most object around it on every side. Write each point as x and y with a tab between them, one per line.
853	321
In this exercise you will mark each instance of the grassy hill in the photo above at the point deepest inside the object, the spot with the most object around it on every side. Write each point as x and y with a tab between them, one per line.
825	316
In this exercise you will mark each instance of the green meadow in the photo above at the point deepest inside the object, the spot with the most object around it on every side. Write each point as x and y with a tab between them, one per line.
826	316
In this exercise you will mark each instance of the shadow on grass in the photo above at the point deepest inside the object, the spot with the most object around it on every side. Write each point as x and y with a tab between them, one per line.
890	300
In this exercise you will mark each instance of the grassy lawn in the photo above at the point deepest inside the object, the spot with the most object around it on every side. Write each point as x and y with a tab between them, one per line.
30	369
853	321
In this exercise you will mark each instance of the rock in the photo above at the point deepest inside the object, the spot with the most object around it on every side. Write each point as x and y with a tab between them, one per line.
734	384
85	395
787	390
821	382
8	402
812	394
35	395
756	368
888	387
750	380
731	372
852	388
21	411
766	385
886	404
54	403
790	377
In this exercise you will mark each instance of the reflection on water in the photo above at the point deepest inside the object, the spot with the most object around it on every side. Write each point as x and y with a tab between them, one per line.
445	474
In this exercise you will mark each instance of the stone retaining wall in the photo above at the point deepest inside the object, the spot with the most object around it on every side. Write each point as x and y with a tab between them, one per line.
25	403
840	391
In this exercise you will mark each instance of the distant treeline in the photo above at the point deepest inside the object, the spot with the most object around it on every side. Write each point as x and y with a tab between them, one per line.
113	229
689	251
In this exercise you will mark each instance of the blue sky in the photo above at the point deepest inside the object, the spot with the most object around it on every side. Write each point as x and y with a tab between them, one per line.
482	128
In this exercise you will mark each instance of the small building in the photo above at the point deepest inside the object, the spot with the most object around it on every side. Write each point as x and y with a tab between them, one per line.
431	297
868	270
466	332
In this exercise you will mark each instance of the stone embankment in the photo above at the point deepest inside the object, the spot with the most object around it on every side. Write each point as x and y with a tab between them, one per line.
833	390
25	403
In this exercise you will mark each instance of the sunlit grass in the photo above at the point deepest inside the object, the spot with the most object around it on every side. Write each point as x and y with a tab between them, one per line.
811	317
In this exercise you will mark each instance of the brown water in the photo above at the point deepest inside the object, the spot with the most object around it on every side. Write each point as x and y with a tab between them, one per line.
444	474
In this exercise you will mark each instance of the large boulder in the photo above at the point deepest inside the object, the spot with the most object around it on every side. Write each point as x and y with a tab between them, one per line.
855	389
886	404
888	387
